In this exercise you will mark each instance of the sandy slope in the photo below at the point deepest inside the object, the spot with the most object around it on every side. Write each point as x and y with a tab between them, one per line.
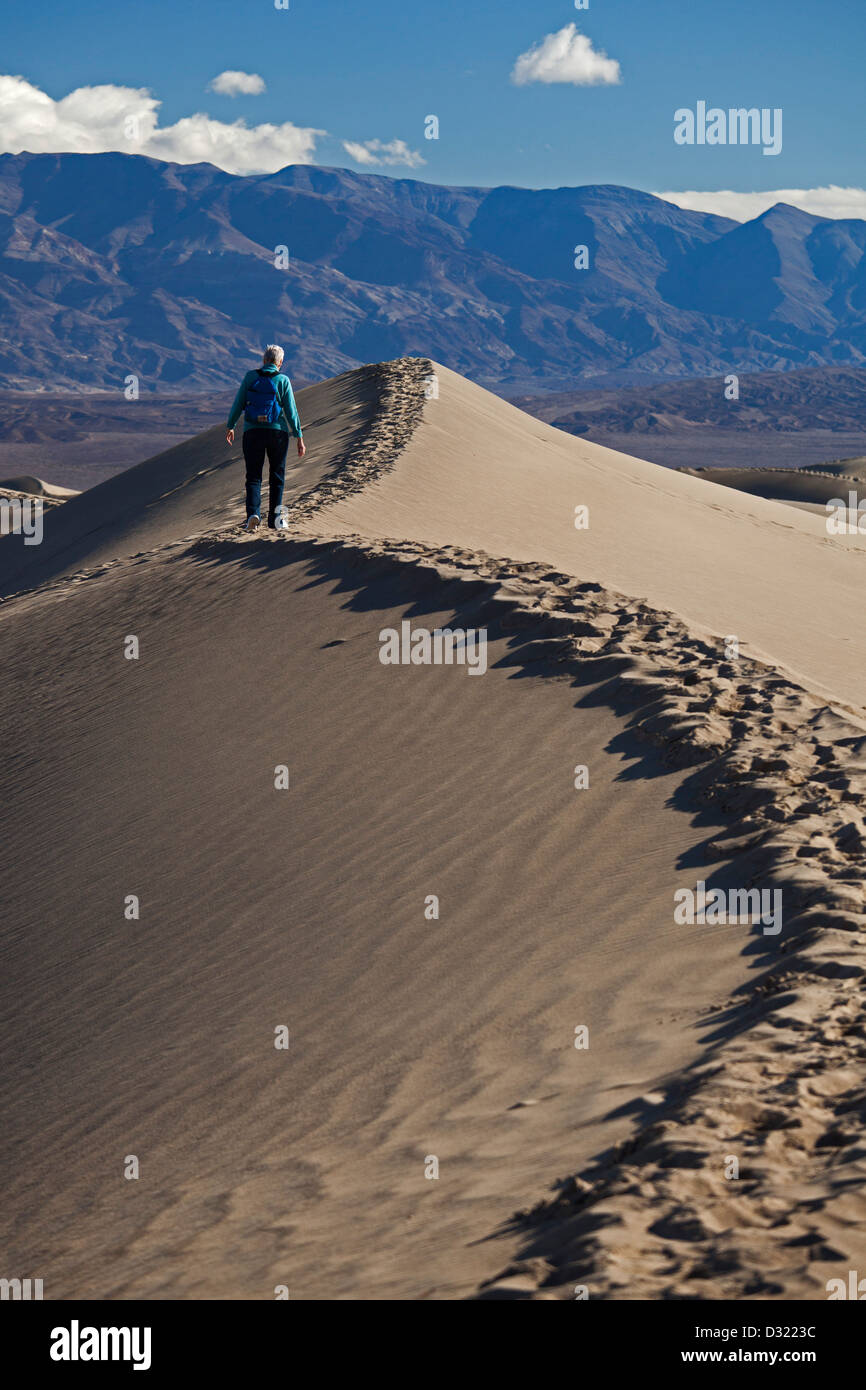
480	473
190	489
805	487
305	907
27	485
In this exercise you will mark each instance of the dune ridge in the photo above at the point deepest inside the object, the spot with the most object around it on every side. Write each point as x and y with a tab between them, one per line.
811	487
360	420
783	1088
789	771
479	473
407	1038
773	767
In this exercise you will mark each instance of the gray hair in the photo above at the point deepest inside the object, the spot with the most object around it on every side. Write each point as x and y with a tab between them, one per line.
273	355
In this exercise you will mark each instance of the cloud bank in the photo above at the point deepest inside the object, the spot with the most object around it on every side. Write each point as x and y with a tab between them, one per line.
831	201
368	152
92	120
566	56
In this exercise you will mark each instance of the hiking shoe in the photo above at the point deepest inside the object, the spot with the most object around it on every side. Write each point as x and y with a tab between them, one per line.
253	523
281	523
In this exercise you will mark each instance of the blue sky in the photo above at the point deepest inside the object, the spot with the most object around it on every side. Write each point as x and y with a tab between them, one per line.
372	72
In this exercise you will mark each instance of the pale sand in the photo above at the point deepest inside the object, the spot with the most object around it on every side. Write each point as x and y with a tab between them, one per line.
27	485
412	1038
480	473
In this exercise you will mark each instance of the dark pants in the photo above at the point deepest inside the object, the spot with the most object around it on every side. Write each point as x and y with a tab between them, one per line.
257	443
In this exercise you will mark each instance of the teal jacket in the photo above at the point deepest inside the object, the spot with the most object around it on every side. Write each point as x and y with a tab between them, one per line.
289	421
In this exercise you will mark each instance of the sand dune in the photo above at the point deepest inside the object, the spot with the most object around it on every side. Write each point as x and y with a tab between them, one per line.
804	487
414	1038
31	486
191	488
480	473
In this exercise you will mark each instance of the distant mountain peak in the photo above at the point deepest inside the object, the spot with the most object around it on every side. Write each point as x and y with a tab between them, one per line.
789	215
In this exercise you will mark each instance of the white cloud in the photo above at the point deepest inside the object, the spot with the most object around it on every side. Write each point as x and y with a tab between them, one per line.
382	152
234	84
91	120
566	56
831	201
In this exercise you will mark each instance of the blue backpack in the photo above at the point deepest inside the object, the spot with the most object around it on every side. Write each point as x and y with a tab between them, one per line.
262	405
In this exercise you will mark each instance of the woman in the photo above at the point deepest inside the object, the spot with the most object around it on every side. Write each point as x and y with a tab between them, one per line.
270	416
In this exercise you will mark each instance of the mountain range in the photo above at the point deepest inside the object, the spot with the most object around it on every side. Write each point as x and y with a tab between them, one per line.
114	265
831	399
